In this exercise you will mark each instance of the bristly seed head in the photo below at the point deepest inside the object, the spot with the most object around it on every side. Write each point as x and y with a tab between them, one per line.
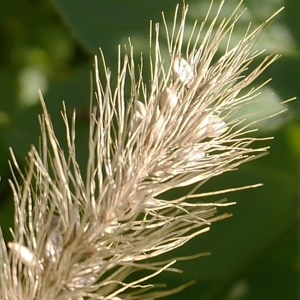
87	233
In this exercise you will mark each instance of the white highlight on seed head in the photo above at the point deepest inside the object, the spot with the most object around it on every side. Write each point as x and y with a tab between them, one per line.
168	99
54	246
182	70
24	254
158	129
216	126
151	203
139	114
210	126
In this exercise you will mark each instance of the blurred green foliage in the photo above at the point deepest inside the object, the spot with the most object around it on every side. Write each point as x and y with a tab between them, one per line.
49	45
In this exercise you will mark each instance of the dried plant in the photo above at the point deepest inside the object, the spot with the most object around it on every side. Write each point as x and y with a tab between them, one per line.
80	236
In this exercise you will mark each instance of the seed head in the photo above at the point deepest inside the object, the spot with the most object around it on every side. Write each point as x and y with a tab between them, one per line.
81	235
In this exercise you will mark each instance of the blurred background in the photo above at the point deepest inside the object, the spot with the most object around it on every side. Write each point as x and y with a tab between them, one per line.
50	45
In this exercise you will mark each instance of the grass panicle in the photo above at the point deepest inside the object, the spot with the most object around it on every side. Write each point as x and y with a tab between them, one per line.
79	236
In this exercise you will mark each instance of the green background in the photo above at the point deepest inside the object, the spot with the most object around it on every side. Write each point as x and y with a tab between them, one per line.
49	45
